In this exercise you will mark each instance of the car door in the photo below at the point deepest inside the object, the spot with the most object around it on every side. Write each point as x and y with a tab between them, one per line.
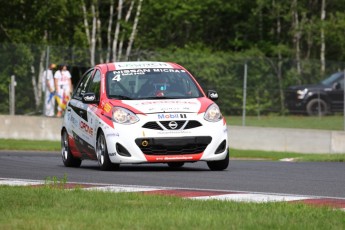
90	117
337	94
79	120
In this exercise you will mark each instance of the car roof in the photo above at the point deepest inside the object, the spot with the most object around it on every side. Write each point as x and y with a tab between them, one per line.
139	65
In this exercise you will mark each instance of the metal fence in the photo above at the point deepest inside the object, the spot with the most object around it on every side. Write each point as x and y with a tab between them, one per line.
253	86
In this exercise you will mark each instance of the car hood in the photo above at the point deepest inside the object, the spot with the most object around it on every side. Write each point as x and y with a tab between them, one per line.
166	105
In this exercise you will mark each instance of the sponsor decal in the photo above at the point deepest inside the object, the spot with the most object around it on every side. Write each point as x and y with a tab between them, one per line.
178	158
192	157
107	107
117	77
86	128
189	102
112	154
167	70
173	132
129	72
113	135
141	65
171	116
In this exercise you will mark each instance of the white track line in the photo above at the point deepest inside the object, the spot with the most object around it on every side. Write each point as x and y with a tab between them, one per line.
19	182
238	196
257	198
121	189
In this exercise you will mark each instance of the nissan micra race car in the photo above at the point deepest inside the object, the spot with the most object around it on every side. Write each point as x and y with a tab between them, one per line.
143	112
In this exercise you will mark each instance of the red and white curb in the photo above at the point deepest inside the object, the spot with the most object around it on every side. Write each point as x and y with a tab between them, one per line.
199	194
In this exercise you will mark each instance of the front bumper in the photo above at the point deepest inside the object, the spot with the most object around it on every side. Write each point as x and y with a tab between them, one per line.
140	143
293	104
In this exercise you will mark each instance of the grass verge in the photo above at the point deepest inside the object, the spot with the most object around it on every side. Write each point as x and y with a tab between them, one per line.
269	155
53	208
335	122
14	144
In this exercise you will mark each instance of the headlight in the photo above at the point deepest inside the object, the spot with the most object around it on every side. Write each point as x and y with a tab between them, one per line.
301	93
212	113
124	116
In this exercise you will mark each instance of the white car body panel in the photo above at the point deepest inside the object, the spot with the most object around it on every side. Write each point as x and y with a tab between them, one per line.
171	121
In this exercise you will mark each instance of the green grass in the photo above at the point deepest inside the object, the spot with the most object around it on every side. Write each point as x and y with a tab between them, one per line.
52	208
269	155
301	122
31	145
14	144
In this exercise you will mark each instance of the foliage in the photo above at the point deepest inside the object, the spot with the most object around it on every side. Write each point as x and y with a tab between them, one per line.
212	38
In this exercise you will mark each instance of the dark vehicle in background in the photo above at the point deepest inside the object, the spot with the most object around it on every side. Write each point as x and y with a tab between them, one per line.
317	99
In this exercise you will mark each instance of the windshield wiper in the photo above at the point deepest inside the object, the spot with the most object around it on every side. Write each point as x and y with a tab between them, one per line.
120	97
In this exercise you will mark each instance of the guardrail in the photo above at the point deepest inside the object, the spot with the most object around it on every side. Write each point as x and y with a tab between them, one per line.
250	138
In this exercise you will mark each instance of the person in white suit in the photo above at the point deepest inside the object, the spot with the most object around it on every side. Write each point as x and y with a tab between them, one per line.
48	87
63	86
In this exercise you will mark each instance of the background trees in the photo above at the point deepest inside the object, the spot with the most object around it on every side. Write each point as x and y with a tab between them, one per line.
285	42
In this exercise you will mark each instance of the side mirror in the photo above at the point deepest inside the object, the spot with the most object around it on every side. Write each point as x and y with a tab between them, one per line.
212	94
336	85
90	98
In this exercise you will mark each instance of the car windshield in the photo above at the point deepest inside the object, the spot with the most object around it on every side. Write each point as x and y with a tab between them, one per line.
134	84
331	79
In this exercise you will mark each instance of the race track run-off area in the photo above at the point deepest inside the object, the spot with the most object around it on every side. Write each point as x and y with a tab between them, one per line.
199	194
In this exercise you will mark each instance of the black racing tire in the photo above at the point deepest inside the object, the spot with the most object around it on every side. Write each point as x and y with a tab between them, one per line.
317	106
102	154
67	158
175	165
219	165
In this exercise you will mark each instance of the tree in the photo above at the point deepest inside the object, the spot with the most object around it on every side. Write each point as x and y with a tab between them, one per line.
322	35
115	37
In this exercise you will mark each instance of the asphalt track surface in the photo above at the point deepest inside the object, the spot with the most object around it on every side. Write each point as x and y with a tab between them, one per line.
326	179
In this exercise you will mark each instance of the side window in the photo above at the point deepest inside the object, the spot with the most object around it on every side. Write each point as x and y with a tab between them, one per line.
341	83
190	87
95	84
83	84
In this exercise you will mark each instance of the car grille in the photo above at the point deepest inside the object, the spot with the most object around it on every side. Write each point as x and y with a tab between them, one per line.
164	125
173	146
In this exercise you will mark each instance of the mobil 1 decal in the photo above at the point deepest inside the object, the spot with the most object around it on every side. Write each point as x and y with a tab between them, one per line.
171	115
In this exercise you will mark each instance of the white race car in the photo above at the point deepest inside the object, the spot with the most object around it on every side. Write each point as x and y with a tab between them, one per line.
143	112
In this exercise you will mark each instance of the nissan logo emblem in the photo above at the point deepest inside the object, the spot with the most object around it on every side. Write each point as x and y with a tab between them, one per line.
173	124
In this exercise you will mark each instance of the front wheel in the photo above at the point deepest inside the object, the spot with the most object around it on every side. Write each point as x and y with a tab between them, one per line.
67	158
102	154
316	107
219	165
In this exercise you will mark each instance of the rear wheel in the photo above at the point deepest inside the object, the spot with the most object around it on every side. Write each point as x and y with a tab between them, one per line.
175	164
219	165
316	107
102	154
67	158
